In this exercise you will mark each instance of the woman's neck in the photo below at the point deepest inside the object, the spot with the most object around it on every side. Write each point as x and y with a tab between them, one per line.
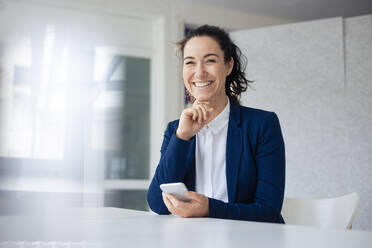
217	106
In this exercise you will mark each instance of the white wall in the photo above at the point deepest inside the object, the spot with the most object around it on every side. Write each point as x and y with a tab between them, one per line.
358	64
316	76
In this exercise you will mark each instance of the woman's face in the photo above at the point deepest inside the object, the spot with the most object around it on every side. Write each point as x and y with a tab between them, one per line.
204	69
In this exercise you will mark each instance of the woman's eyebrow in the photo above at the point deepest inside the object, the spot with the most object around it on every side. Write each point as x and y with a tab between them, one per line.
207	55
188	57
210	54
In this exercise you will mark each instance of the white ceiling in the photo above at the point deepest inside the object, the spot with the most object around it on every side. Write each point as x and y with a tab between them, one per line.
300	10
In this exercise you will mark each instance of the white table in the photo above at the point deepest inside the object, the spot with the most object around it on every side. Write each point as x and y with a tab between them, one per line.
112	227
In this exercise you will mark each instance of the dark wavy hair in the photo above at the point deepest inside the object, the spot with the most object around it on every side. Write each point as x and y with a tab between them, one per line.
236	83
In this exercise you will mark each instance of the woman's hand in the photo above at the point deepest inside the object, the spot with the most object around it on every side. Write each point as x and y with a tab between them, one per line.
197	207
192	120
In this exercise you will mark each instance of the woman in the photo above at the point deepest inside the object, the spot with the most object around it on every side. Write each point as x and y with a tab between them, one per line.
230	157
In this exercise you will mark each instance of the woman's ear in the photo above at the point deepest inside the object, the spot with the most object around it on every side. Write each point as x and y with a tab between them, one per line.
229	66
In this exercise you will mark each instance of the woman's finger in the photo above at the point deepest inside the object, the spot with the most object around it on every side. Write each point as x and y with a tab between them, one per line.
205	112
168	203
194	114
180	208
200	113
189	113
173	205
194	196
205	108
175	202
166	200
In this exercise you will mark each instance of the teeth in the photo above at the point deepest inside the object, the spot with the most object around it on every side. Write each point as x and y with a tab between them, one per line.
202	84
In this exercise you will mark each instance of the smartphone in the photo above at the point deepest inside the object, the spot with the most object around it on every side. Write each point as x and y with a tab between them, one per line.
177	189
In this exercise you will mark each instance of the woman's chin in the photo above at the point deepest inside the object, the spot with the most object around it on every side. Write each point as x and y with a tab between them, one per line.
202	98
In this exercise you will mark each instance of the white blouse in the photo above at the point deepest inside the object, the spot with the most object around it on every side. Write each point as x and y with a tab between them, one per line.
210	157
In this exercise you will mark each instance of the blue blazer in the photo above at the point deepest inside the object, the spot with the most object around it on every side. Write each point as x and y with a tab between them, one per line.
255	167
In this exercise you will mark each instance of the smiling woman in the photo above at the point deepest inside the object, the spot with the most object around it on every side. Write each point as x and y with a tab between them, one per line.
204	70
230	157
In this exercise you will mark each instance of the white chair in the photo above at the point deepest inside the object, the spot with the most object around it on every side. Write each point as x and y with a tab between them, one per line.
338	212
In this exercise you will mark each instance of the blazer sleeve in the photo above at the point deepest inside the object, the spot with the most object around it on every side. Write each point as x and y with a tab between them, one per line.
171	168
269	194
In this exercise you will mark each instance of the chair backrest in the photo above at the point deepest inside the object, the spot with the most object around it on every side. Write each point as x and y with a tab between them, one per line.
336	212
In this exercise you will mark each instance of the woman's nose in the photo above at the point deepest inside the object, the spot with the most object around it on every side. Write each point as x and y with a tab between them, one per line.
200	72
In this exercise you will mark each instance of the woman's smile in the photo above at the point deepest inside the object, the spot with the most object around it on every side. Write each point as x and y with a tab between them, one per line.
202	84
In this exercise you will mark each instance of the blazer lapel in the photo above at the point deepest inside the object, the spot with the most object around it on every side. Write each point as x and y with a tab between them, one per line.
191	159
233	150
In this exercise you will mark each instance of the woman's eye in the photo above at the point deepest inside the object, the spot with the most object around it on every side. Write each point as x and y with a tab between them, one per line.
189	62
211	61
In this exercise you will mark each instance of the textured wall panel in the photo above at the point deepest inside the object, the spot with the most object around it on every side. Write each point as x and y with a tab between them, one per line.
299	73
358	57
